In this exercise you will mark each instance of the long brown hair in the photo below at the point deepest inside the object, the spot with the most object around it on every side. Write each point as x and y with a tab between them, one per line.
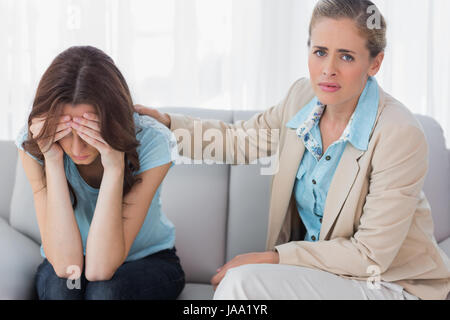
86	75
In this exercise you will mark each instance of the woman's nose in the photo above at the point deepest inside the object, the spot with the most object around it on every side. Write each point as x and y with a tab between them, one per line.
78	144
329	69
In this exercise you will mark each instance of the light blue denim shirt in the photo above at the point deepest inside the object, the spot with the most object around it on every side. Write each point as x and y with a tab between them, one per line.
158	146
316	169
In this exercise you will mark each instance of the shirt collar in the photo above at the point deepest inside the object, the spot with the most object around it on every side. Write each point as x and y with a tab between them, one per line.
360	124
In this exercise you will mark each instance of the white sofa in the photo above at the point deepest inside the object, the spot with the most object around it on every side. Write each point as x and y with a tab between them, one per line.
219	211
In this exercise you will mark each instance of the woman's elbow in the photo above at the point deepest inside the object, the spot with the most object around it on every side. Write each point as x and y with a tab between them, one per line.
66	271
99	274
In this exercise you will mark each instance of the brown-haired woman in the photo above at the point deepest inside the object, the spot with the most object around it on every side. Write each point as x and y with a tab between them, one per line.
348	218
96	168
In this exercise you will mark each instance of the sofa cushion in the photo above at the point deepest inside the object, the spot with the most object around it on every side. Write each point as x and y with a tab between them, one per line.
445	246
197	291
23	214
194	198
19	259
437	182
7	170
248	210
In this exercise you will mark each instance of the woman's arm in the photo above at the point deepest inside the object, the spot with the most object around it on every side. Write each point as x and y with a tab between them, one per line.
115	226
105	245
61	239
60	235
239	143
63	246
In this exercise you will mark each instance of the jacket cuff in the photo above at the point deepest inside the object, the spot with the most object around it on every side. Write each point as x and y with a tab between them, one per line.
288	253
176	121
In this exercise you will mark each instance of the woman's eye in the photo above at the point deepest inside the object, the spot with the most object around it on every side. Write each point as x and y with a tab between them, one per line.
320	52
346	57
350	58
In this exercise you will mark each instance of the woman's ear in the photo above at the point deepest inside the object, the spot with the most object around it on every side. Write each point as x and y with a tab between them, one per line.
375	64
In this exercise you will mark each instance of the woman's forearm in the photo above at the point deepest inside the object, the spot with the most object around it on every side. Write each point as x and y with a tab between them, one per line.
240	143
105	247
63	246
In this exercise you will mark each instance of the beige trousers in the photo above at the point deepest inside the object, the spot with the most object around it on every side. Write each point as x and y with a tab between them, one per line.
285	282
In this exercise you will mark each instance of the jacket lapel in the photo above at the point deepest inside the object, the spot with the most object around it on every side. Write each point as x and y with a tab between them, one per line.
340	186
283	184
344	178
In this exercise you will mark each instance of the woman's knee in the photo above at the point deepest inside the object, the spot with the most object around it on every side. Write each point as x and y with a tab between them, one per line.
105	290
51	287
236	282
130	288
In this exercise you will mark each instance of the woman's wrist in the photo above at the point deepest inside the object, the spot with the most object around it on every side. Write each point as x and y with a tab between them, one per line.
275	257
117	170
270	257
54	161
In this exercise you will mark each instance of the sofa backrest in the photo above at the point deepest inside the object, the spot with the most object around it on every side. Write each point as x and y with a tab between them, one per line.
219	210
248	204
437	183
195	199
22	214
8	162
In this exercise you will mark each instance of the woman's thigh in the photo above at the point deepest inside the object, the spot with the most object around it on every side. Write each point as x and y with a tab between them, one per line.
51	287
157	276
275	281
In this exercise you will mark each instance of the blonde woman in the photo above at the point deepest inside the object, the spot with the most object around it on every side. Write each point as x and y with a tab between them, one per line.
348	217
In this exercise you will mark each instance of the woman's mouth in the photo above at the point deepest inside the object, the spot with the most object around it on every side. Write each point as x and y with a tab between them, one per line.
81	158
329	87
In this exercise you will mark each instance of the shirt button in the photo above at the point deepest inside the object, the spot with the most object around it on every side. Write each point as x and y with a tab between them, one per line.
314	181
320	220
313	238
328	158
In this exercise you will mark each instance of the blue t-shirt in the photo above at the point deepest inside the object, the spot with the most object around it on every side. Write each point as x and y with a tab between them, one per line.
158	146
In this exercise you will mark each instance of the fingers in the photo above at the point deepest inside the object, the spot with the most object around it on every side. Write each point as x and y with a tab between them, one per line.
61	134
38	123
63	126
62	130
91	116
142	109
99	145
164	118
147	111
138	107
89	120
81	129
215	280
91	136
89	125
88	128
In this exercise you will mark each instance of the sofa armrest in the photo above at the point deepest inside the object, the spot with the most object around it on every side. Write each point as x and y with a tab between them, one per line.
8	162
19	259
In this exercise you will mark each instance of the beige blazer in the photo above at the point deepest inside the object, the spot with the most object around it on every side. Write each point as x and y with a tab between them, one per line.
376	217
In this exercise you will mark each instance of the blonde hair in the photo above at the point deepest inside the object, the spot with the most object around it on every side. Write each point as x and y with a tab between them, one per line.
368	19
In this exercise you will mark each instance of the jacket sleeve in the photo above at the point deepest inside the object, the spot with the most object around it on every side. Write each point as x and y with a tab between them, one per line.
239	143
399	166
